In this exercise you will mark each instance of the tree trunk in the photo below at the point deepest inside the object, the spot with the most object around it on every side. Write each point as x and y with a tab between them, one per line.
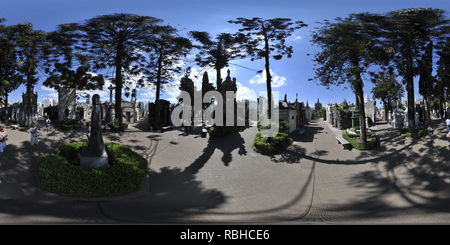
362	114
6	109
268	75
268	82
118	105
158	90
410	90
218	67
28	102
427	112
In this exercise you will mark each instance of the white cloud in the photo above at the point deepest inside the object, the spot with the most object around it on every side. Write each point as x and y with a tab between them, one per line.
48	89
244	92
277	81
53	95
296	38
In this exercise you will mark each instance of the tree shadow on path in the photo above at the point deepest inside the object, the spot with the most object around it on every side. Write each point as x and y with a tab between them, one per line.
174	193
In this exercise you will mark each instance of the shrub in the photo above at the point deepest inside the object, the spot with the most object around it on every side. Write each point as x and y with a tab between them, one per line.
420	133
402	130
125	175
67	124
120	128
67	127
282	126
279	142
354	141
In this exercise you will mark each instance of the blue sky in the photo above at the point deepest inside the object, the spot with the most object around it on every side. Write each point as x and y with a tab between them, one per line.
290	75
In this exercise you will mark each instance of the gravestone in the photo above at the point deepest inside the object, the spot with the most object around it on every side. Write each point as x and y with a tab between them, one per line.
94	155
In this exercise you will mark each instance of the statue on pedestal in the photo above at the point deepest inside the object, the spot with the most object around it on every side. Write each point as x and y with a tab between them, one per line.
96	146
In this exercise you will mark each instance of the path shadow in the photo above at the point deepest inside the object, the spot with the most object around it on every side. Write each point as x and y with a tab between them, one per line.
228	145
176	191
309	134
293	154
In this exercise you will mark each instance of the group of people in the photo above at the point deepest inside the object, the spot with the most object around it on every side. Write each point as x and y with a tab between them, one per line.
34	136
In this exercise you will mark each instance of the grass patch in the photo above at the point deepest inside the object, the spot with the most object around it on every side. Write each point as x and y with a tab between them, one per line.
354	141
418	135
126	173
120	128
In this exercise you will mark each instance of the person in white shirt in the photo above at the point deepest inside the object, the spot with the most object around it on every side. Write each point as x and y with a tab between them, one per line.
3	136
34	137
47	123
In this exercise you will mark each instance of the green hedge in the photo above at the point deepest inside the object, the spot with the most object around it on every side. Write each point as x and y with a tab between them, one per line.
67	127
282	126
66	124
124	126
420	133
279	142
354	138
126	174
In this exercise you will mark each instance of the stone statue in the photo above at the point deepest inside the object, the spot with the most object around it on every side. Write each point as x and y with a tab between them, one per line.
66	112
96	146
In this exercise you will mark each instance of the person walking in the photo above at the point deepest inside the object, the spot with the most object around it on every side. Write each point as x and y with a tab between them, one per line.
48	124
3	136
447	122
34	137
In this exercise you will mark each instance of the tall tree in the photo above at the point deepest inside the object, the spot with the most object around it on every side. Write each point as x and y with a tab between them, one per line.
10	78
206	86
426	67
387	89
267	39
407	31
218	52
117	41
32	48
347	52
187	85
166	51
64	58
443	65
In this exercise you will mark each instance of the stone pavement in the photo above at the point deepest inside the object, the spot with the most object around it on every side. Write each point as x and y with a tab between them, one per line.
201	180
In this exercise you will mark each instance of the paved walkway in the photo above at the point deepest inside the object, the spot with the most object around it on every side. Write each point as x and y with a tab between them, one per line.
201	180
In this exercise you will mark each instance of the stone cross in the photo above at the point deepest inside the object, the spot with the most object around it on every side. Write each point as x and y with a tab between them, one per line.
110	92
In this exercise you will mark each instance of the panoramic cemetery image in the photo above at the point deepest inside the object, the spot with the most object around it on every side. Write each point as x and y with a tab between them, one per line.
268	113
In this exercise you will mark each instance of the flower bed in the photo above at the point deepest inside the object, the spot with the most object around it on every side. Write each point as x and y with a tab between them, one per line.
126	173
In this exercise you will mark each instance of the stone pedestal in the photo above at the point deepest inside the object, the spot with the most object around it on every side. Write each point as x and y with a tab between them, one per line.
90	161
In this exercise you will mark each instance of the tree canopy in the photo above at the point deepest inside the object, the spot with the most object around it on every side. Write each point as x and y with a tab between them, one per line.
267	39
117	41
